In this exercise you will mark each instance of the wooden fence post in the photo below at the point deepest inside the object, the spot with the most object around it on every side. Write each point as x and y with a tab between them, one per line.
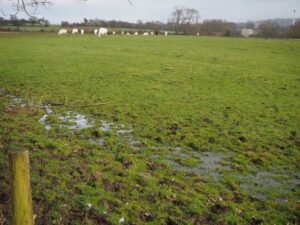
22	213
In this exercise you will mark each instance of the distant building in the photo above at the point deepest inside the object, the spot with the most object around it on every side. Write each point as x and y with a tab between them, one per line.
247	32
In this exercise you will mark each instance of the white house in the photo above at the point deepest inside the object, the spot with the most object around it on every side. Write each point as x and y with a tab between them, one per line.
247	32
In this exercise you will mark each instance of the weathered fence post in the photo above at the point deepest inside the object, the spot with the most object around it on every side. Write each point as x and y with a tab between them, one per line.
22	213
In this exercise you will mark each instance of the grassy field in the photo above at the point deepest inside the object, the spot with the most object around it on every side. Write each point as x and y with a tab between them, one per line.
157	130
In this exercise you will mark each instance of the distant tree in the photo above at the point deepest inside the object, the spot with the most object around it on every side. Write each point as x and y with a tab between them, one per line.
65	24
44	22
250	25
177	16
14	20
139	24
269	29
294	31
218	28
33	20
98	22
183	17
85	21
3	22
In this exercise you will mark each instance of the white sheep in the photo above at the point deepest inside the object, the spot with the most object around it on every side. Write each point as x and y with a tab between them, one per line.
166	33
198	34
82	31
75	31
145	34
95	31
122	32
114	33
62	31
102	32
136	34
128	34
152	33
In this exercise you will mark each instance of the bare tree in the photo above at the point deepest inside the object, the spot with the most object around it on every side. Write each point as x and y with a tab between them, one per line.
190	16
177	16
183	17
30	7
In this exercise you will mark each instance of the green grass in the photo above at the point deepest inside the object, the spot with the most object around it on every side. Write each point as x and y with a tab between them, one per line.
237	98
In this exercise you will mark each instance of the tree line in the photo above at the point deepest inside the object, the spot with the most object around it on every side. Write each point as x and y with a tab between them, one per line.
31	21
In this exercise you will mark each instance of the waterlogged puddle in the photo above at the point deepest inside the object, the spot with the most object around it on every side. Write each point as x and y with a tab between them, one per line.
75	121
119	129
262	178
70	120
124	134
262	183
43	119
210	164
100	141
105	126
122	130
214	161
15	101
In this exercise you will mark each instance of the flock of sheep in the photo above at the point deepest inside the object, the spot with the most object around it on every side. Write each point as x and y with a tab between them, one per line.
103	32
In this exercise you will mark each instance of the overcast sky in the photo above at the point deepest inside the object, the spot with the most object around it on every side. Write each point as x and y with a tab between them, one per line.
148	10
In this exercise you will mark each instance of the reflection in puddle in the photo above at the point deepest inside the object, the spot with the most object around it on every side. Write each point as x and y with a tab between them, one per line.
15	101
211	164
75	121
262	179
43	119
263	182
123	131
100	141
214	161
105	126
